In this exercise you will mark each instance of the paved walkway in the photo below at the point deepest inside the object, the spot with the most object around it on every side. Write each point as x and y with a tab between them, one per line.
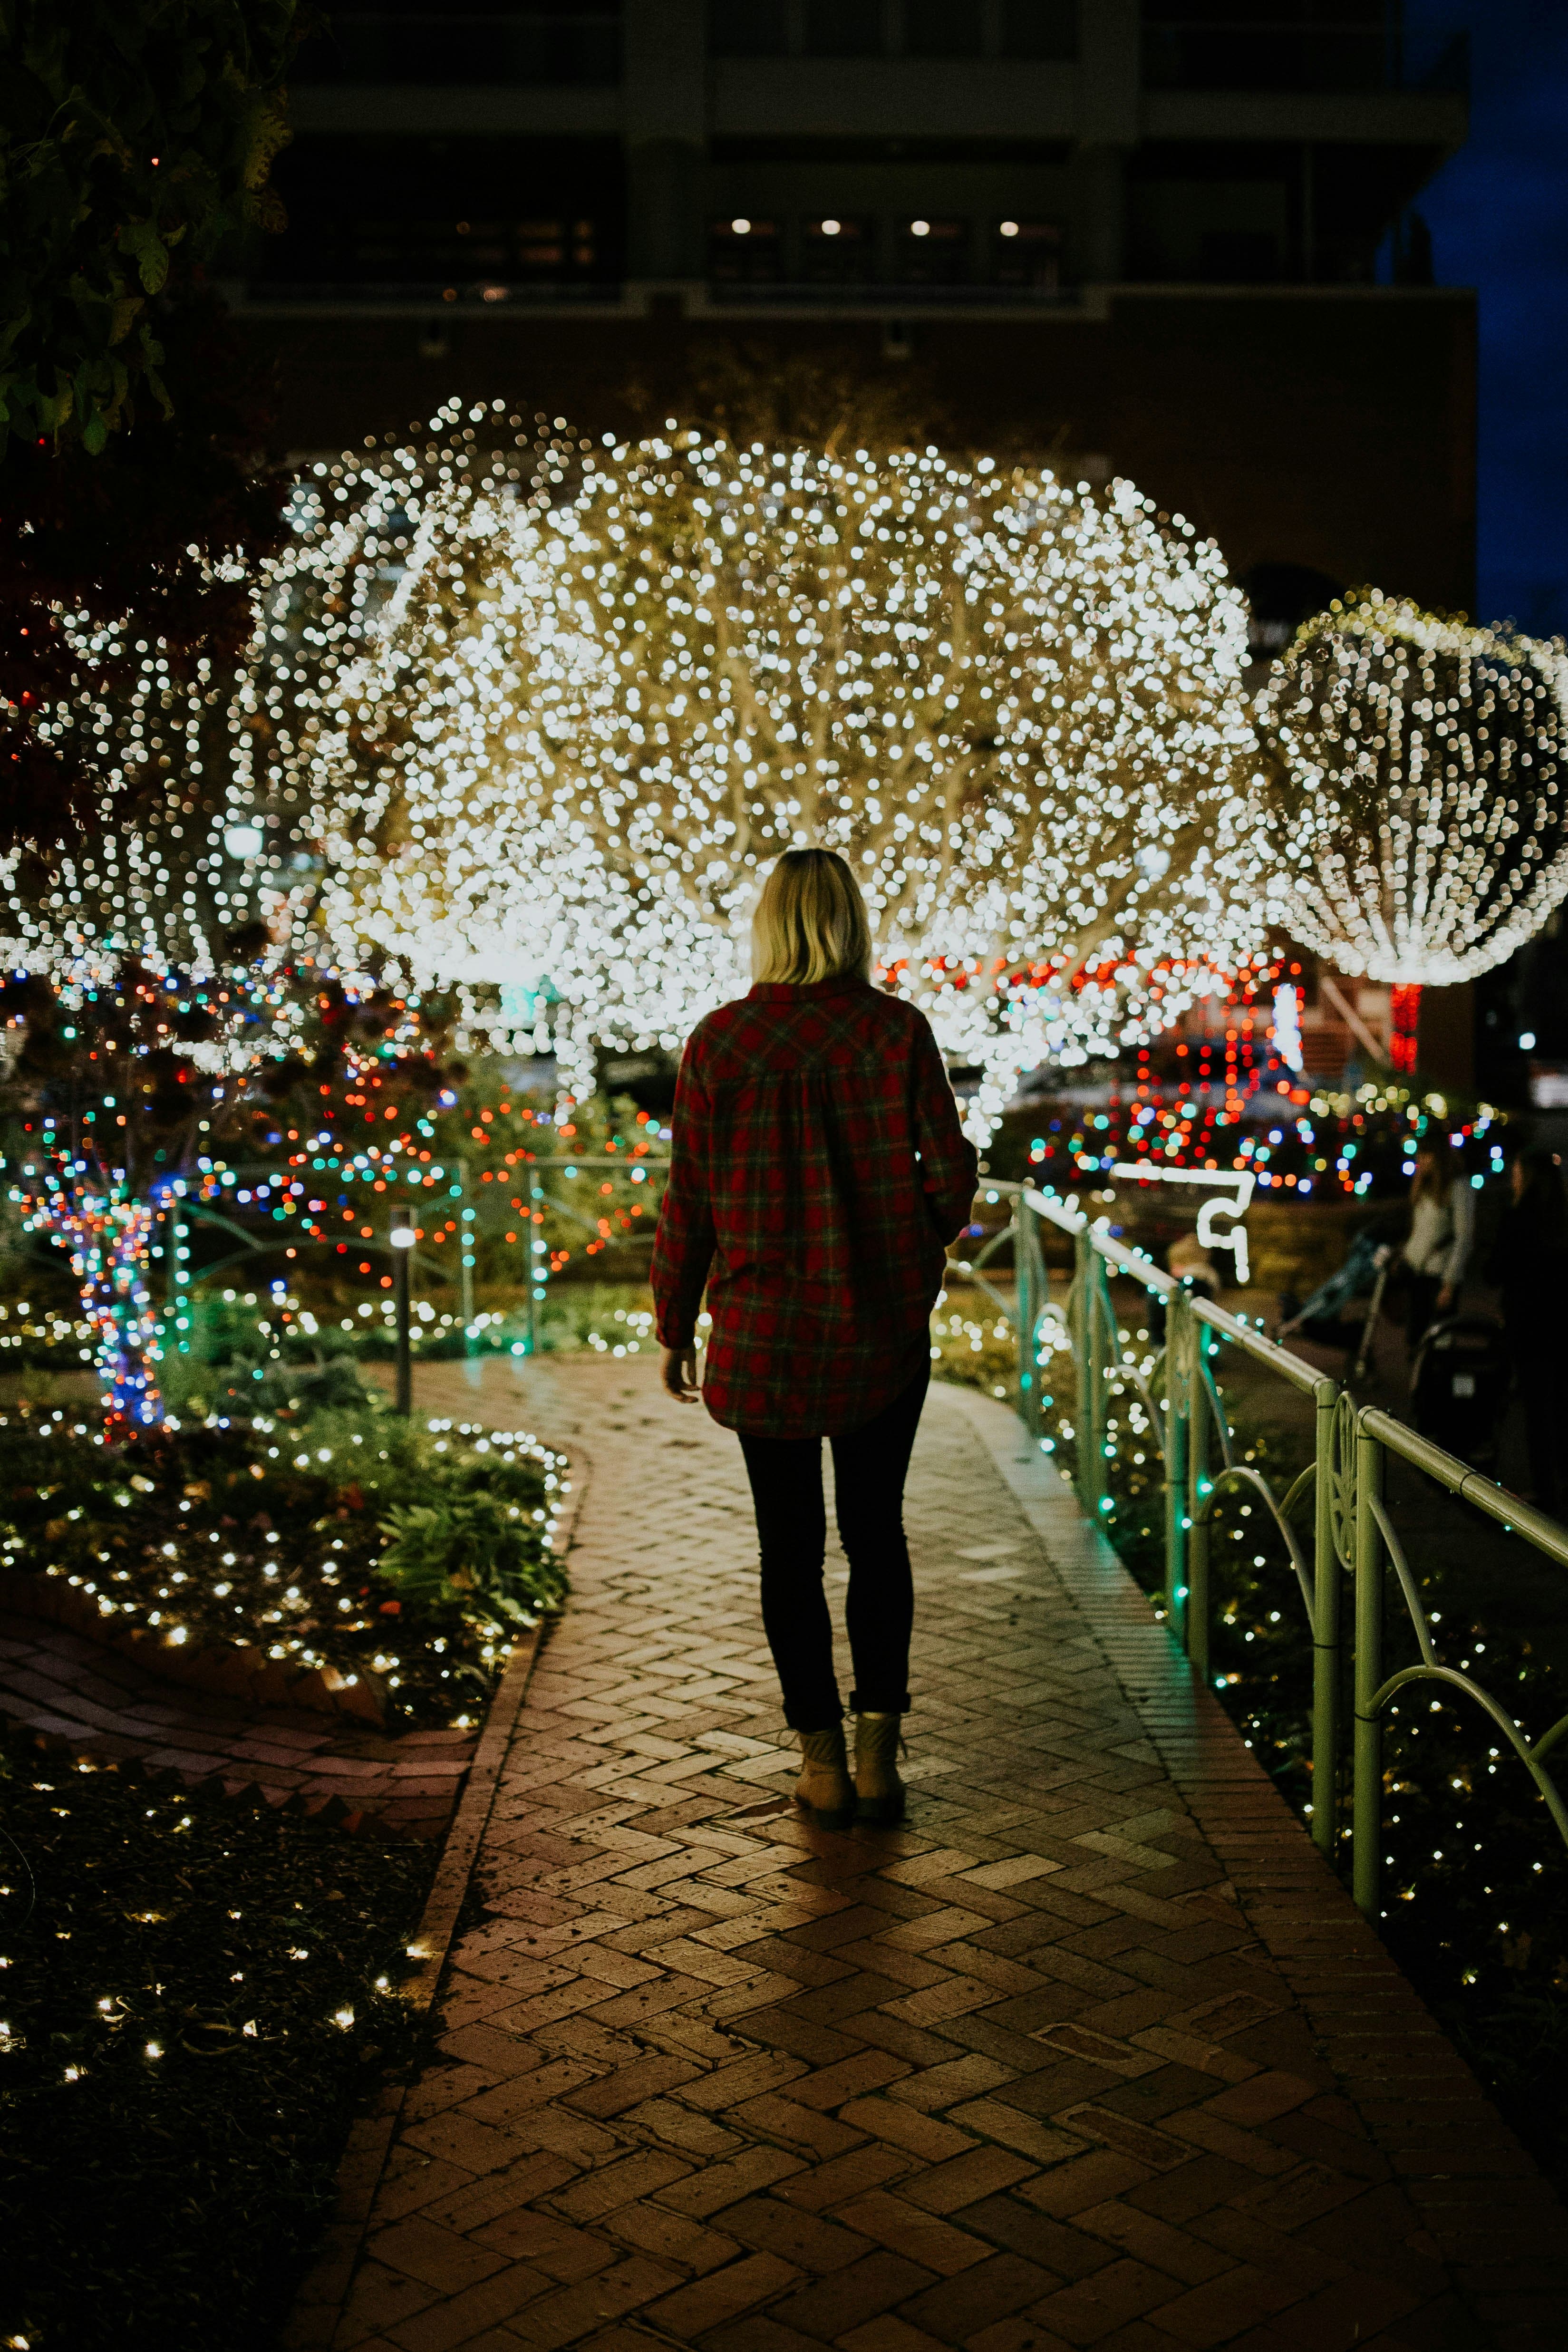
1090	2051
100	1703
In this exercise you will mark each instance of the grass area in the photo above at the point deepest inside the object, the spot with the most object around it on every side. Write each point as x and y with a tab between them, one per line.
195	1996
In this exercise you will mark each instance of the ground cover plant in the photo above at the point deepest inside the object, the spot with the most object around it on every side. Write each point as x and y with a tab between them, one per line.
196	1995
328	1531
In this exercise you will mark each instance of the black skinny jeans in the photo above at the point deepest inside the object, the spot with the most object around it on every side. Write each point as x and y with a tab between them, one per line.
869	1465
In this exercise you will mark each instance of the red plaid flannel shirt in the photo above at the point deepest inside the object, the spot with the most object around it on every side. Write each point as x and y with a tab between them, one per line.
818	1169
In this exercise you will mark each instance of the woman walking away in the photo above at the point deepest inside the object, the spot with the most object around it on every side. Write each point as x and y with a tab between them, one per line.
1442	1234
817	1172
1528	1264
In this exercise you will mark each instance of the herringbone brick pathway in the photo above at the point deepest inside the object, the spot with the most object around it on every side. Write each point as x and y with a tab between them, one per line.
1090	2051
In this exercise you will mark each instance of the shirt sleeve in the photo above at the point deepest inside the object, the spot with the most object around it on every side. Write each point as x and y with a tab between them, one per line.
1462	1205
684	1244
950	1166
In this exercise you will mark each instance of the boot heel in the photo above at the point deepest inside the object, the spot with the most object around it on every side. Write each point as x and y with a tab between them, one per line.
825	1791
879	1792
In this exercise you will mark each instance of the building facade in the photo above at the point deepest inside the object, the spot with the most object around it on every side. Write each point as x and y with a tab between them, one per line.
1130	238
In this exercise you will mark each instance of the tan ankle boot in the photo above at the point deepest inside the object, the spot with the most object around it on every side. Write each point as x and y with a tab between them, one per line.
879	1792
825	1790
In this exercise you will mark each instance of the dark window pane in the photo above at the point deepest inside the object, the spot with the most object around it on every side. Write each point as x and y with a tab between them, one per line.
1039	28
426	47
1204	53
941	28
1238	256
391	212
843	29
742	252
837	250
933	252
748	28
1028	254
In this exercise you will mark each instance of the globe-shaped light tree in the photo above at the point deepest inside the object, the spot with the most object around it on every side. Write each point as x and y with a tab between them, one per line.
1415	794
554	757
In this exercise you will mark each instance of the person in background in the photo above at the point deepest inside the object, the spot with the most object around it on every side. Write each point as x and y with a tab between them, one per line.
1442	1234
1529	1263
817	1172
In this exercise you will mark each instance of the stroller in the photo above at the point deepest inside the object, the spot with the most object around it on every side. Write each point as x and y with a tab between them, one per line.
1365	1275
1459	1387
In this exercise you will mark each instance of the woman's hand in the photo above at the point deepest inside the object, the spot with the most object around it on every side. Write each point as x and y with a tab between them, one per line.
678	1374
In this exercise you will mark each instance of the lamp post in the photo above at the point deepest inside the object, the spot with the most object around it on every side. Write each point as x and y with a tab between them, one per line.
402	1239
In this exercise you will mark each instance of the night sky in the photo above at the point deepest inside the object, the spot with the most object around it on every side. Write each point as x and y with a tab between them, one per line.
1499	218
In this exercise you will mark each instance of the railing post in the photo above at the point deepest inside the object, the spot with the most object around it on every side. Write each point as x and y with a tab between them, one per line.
535	1269
1325	1628
473	1370
1178	1314
1366	1858
1023	1296
1090	1382
1195	1619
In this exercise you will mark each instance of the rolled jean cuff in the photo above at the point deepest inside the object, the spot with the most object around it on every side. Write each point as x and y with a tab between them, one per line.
804	1720
867	1704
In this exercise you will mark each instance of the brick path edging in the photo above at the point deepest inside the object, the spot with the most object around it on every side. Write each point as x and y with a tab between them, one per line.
1490	2212
323	2294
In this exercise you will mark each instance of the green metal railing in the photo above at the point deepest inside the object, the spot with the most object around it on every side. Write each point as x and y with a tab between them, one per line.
1332	1518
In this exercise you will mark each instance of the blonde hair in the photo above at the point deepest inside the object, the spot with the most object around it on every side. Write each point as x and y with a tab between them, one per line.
811	923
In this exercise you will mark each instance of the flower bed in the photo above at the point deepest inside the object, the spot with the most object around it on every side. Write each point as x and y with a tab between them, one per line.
195	1995
392	1556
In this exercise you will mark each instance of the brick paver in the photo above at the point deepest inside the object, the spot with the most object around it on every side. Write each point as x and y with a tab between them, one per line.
96	1703
1090	2051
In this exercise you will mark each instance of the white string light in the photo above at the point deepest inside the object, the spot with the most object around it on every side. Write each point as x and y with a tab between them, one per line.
1418	816
551	742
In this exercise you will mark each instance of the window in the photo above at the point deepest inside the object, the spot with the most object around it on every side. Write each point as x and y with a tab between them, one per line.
1027	253
414	46
748	28
837	250
942	28
933	252
743	252
1039	28
1238	256
842	28
429	214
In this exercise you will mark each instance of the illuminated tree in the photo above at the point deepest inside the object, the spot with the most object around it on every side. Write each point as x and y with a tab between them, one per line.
589	710
1416	807
148	1000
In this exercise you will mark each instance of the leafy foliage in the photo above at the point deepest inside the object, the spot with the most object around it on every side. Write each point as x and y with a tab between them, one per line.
138	140
269	1532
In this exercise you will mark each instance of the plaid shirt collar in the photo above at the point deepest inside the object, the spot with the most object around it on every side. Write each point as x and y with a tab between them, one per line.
788	992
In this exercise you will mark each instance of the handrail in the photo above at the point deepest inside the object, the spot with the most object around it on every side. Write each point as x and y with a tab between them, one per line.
1352	1533
1510	1511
